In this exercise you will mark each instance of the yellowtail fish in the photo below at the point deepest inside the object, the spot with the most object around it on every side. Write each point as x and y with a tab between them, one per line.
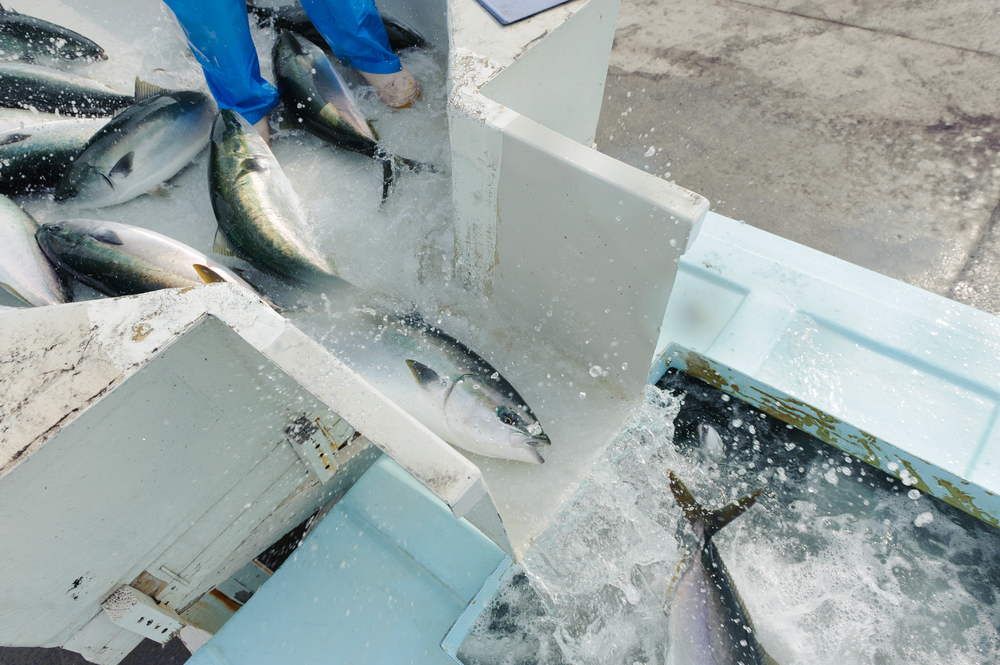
708	624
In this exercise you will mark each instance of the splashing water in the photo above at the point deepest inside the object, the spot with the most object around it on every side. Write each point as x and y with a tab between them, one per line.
837	563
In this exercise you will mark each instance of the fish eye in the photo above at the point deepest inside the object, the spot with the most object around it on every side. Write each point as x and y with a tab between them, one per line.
508	417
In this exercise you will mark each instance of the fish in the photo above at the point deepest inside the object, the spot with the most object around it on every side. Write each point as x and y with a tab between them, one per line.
317	99
708	624
28	38
140	148
121	259
47	90
259	215
36	149
444	384
25	272
711	442
294	18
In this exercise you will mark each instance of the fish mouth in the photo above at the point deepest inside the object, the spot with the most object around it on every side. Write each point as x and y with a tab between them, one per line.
529	444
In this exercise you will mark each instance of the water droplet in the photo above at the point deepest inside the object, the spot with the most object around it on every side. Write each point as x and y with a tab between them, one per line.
595	371
624	366
583	395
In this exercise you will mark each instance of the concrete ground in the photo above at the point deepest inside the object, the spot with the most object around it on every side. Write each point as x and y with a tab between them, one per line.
866	129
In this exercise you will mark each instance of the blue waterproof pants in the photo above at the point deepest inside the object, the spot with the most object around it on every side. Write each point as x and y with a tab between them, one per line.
218	32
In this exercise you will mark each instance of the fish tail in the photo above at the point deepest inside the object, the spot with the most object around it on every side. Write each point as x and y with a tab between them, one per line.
415	166
388	175
708	522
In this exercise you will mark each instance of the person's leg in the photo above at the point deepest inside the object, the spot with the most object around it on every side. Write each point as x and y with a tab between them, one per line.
219	35
355	33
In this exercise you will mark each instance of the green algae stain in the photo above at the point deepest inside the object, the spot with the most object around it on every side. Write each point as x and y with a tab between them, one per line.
831	430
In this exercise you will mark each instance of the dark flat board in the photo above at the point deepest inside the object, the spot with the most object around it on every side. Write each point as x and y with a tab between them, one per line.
508	11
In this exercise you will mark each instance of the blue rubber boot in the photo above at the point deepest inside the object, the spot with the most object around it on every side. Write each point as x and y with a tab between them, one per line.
356	34
218	33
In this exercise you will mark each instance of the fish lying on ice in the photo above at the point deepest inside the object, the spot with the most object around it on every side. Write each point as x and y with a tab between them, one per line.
47	90
708	624
28	38
259	215
441	382
24	271
140	148
38	148
317	99
120	259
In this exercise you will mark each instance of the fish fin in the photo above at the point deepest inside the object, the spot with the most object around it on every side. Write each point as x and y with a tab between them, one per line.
209	275
124	165
371	126
415	166
145	90
222	244
693	510
388	176
711	521
12	291
163	191
249	165
11	139
107	236
424	375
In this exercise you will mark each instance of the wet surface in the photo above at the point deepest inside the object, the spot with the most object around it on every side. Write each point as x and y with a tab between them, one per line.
869	131
860	129
837	562
147	653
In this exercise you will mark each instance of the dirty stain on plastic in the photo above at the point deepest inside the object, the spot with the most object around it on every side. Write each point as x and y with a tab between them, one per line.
887	457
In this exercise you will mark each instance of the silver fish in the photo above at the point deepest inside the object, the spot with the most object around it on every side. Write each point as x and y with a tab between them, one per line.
140	148
708	624
120	259
259	215
442	383
24	270
318	100
38	148
711	442
28	38
50	91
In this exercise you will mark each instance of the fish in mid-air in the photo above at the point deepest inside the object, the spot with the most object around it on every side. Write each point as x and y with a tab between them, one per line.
28	38
121	259
318	101
708	624
24	271
452	390
259	215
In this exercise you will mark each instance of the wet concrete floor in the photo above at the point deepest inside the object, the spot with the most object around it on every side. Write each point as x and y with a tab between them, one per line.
867	130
